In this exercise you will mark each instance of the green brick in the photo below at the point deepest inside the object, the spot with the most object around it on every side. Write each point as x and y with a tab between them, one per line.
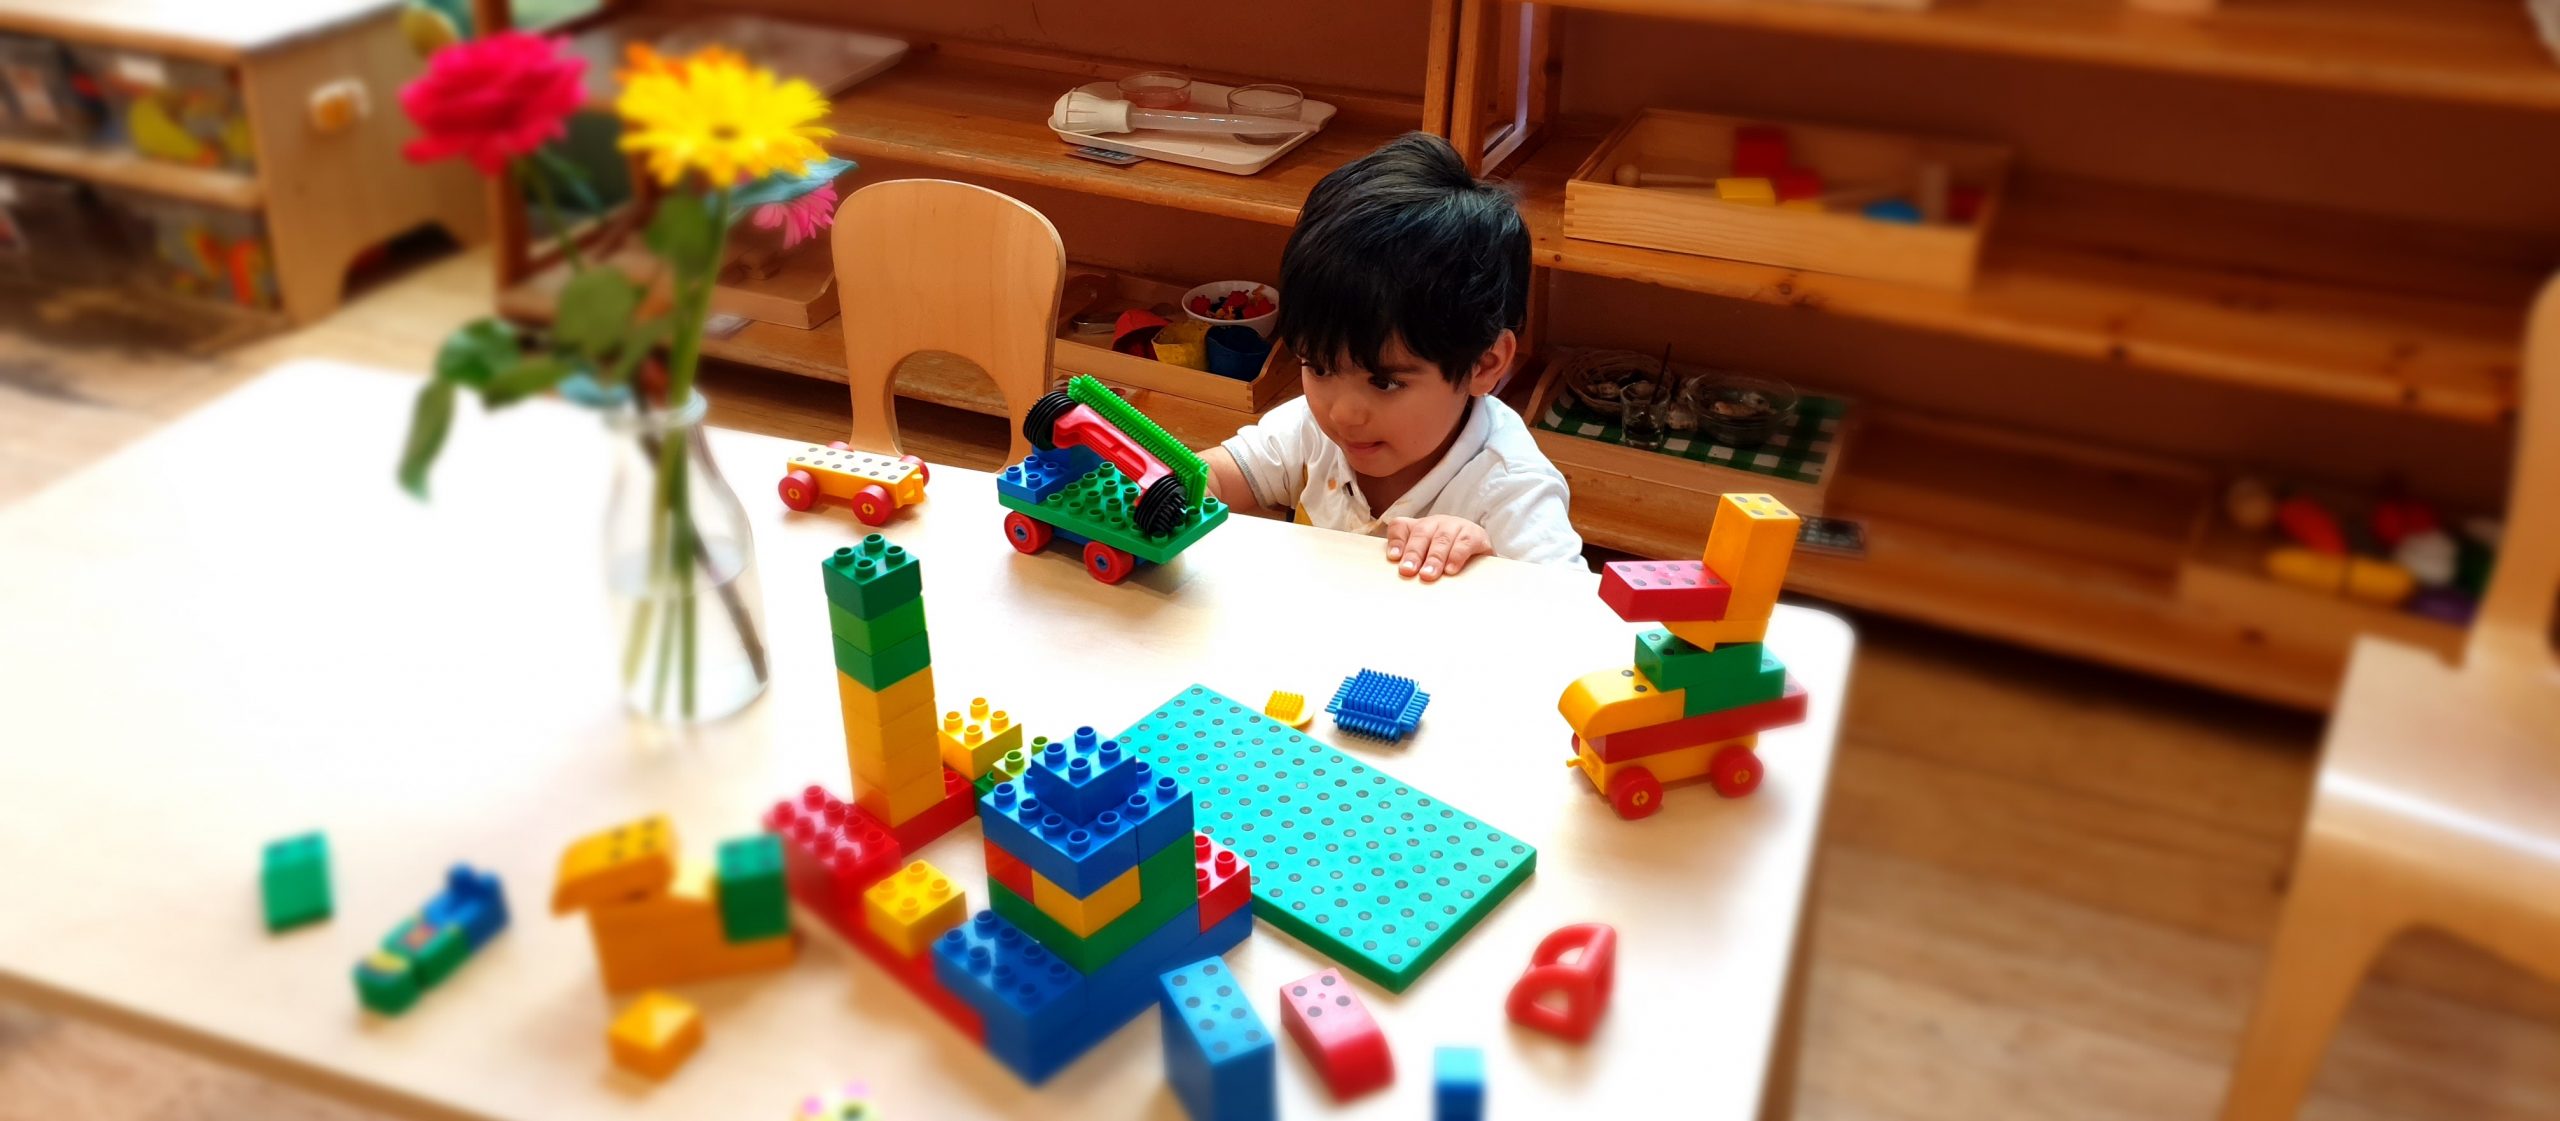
754	903
1729	676
870	635
873	578
386	984
293	881
886	668
1010	765
433	952
1167	883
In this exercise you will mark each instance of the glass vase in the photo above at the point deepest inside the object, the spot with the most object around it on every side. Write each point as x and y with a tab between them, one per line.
680	563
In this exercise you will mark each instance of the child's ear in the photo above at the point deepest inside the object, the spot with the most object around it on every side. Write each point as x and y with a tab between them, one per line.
1493	364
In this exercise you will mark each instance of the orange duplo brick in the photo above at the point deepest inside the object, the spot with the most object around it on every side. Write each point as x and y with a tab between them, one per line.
655	1035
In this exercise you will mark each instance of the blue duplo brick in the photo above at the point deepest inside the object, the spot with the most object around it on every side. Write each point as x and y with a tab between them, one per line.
1217	1053
1081	857
1082	777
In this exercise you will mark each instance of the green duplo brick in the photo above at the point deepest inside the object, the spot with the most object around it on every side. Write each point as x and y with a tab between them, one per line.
871	635
1729	676
1010	765
1167	883
433	952
872	578
887	667
754	903
293	881
386	984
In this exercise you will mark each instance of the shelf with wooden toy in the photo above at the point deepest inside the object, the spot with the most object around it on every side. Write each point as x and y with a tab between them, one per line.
212	186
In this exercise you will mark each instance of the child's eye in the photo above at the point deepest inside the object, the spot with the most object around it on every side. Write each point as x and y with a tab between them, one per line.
1313	370
1386	384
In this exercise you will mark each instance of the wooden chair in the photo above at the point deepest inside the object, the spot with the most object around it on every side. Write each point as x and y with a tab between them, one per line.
2438	801
929	264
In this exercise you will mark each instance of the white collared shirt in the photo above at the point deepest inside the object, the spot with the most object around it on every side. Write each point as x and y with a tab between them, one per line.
1493	475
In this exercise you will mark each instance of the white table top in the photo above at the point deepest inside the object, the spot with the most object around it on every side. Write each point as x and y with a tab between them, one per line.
238	629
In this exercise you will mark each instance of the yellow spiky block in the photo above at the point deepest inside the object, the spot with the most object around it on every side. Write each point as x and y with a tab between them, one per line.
1610	701
655	1035
613	864
1289	708
1085	914
973	743
910	909
862	704
1749	543
674	937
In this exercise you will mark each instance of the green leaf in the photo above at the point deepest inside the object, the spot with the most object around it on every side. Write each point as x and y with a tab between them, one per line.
595	310
428	424
524	379
684	233
572	180
476	351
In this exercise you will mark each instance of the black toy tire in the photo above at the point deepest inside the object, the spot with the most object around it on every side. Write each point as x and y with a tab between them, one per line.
1040	425
1163	508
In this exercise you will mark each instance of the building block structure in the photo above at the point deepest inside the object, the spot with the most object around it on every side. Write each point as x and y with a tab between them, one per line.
1701	687
884	685
293	881
1378	705
1579	988
657	920
1457	1084
1107	478
1340	1038
1217	1054
655	1035
428	946
876	486
1320	866
971	744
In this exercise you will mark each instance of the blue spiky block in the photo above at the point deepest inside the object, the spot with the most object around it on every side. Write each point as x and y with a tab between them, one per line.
1217	1054
1378	705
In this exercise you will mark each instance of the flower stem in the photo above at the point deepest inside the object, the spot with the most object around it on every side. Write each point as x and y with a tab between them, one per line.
542	192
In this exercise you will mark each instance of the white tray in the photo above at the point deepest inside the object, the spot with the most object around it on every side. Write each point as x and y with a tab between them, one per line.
1207	150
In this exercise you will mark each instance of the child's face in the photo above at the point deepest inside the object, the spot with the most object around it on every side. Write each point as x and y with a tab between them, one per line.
1393	418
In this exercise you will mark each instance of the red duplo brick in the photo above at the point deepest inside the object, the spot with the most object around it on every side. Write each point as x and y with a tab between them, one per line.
1007	869
916	973
831	851
1225	880
1653	739
1664	591
1339	1037
959	803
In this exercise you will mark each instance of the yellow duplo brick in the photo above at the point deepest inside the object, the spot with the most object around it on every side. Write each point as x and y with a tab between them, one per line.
1749	544
674	937
894	754
1610	701
1755	192
1720	632
1085	914
973	743
894	805
911	908
615	864
864	705
655	1035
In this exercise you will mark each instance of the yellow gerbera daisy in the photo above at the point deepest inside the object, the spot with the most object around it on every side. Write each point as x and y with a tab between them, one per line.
711	113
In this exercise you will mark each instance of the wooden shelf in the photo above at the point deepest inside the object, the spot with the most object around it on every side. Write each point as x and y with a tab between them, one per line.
236	190
2370	312
984	111
2476	51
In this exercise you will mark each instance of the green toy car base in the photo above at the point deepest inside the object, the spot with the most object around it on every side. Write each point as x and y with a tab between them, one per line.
1100	509
1367	870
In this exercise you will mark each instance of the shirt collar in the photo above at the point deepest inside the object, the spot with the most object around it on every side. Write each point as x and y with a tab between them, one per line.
1473	432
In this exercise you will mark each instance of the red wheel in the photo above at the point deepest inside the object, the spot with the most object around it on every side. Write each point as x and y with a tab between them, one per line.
1107	564
839	445
923	473
799	491
1735	772
1635	793
1028	534
873	505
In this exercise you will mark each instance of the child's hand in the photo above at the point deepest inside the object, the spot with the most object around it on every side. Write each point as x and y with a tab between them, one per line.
1436	546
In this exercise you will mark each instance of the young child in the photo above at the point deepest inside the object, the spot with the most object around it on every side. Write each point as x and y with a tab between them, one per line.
1401	291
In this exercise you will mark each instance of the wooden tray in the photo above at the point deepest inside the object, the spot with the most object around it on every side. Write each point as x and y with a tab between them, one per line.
1613	482
1278	379
1694	221
1208	151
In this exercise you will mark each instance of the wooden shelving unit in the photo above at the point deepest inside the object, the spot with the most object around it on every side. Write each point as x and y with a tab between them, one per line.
212	186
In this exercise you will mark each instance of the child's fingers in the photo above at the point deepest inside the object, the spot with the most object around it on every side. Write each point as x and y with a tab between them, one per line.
1417	545
1468	545
1397	531
1437	559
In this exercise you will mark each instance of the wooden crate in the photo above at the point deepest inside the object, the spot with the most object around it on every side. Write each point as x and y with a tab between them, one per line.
1652	503
1278	379
1694	221
2223	578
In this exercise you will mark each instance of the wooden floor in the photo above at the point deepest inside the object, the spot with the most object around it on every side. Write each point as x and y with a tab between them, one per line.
2045	885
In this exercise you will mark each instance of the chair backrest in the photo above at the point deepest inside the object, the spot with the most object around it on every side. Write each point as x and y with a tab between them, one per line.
2512	636
929	264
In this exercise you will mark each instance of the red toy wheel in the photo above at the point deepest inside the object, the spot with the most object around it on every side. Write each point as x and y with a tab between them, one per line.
799	491
1028	534
923	473
1735	771
873	505
1107	564
1635	793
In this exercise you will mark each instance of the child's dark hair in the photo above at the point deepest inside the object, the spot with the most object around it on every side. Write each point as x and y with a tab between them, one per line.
1404	243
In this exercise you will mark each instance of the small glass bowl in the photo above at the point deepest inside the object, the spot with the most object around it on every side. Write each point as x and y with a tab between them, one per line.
1738	410
1282	103
1157	89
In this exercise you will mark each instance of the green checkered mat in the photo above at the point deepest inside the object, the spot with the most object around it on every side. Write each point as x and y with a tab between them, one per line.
1800	452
